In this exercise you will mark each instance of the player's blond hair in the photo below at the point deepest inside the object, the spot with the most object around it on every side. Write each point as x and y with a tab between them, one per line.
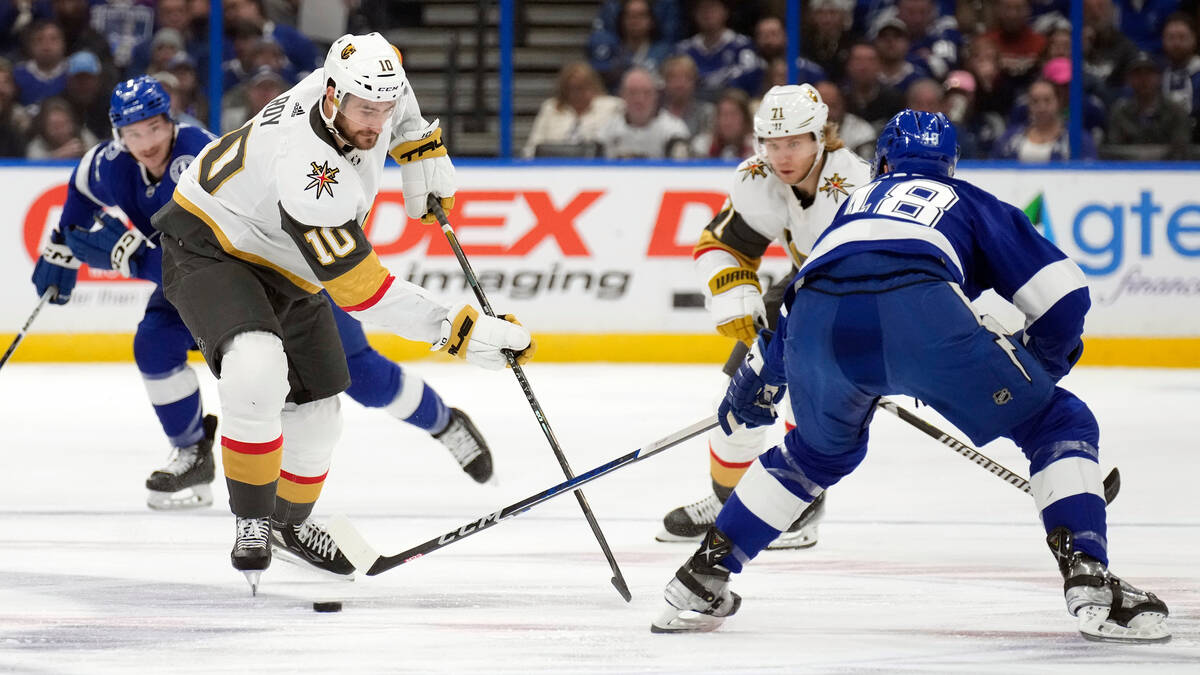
832	140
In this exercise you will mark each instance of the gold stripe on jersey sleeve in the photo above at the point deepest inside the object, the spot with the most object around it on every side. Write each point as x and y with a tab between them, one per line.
237	253
709	241
359	284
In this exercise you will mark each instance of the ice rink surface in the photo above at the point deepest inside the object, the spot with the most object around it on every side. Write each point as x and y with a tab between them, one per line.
926	563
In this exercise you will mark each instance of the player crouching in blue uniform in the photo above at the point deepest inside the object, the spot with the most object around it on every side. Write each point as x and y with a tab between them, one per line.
882	307
136	172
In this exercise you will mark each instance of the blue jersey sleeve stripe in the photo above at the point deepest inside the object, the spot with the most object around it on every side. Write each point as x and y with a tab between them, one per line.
83	175
1046	287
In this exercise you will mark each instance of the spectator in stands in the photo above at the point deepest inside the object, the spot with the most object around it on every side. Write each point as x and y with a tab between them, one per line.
925	94
1106	52
977	130
1044	138
935	40
1142	21
1058	72
1146	117
73	17
187	95
179	112
244	37
1020	47
994	91
1181	79
1045	15
866	97
122	24
776	73
827	35
732	133
167	43
723	58
644	130
856	133
299	49
1058	41
267	54
14	123
892	45
57	134
171	14
637	42
679	94
576	113
45	73
252	96
770	38
87	93
668	16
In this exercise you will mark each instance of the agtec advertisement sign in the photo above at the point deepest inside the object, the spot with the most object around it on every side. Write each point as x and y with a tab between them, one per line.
608	249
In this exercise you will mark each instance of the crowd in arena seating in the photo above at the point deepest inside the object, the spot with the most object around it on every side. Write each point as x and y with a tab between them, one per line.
1001	70
59	61
673	79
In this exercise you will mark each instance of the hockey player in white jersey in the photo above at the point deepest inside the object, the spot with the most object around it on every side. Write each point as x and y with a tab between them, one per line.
264	219
788	192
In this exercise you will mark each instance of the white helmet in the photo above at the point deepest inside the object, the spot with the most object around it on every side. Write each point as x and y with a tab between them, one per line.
791	110
367	66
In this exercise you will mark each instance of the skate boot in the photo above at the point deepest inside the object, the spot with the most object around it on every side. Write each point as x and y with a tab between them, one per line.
185	482
1108	608
311	544
465	442
690	522
698	598
251	551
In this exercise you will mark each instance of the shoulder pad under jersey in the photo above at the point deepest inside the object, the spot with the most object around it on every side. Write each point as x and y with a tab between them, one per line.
759	197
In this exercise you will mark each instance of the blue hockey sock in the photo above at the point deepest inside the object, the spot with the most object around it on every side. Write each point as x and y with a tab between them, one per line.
175	396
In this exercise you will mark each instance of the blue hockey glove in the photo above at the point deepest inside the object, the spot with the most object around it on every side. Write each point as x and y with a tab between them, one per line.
753	391
109	245
57	267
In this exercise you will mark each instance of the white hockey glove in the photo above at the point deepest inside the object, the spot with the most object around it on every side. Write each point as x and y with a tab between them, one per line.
480	338
736	303
425	169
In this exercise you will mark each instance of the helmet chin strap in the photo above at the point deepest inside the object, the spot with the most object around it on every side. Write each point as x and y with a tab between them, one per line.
337	135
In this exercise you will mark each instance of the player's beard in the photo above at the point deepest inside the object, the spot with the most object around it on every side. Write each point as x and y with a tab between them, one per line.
364	139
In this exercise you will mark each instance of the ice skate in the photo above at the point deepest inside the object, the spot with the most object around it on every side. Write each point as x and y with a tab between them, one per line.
186	481
698	599
309	543
1108	608
689	523
251	550
465	442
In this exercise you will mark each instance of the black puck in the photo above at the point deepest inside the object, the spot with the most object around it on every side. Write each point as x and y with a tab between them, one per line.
333	606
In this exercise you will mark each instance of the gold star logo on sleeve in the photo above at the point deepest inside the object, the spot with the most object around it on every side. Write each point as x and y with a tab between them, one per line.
834	186
323	178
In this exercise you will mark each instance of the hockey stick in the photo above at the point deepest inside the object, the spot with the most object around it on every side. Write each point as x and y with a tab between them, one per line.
364	556
618	581
1112	482
24	329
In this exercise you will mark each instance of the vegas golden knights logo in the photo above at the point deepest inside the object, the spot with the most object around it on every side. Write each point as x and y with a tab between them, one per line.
348	51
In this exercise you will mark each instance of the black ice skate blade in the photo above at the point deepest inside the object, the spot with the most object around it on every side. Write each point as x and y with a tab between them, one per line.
299	563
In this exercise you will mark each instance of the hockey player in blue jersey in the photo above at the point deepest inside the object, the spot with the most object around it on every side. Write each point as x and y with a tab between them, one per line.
136	172
882	307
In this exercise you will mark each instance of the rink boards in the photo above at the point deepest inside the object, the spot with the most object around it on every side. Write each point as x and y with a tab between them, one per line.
597	259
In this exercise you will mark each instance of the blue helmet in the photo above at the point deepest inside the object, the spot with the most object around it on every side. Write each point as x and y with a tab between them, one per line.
138	99
917	142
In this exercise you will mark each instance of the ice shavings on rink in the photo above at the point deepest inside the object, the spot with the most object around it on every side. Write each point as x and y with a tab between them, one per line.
925	562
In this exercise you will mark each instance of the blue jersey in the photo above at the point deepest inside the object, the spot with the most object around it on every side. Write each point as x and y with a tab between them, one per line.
981	242
109	176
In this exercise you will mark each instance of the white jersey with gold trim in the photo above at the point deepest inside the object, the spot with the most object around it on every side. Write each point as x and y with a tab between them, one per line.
775	211
282	192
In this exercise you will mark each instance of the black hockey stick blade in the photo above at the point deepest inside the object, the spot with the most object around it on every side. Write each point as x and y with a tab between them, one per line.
365	557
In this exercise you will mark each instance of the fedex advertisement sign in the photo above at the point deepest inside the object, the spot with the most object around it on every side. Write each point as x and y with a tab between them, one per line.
608	249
